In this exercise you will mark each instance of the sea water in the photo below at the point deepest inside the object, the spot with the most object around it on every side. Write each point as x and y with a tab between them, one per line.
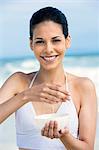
87	66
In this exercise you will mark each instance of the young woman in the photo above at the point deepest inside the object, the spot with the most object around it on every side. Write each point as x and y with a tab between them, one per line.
50	90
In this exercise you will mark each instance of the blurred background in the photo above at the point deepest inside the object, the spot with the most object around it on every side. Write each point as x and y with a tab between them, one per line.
15	55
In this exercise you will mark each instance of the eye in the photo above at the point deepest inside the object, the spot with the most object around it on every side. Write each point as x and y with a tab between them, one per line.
39	42
56	40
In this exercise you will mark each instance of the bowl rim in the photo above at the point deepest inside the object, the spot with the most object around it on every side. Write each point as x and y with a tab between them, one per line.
51	116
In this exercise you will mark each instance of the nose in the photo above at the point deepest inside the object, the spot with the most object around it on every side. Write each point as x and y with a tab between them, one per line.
49	48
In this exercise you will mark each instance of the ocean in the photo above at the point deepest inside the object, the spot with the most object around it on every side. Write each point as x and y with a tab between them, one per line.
87	66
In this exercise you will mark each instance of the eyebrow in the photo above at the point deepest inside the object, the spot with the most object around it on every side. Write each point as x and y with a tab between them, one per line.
56	37
38	38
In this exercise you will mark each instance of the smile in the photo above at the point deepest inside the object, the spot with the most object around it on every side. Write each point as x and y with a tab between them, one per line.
49	58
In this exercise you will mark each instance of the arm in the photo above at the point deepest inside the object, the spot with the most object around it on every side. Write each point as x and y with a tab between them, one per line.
87	120
15	93
10	98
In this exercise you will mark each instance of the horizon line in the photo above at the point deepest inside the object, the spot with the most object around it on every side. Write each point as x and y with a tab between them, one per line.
32	56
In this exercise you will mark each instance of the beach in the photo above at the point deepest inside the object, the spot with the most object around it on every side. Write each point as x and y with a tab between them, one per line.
81	66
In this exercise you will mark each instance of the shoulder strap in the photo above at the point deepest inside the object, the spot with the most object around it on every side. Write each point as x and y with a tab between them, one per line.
67	88
33	80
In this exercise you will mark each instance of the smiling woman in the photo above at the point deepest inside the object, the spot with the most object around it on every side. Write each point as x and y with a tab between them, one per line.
50	90
45	41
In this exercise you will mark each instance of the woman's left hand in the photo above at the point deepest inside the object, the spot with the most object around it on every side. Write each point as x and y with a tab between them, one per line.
51	130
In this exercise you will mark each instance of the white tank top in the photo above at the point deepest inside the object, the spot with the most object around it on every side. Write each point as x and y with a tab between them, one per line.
28	135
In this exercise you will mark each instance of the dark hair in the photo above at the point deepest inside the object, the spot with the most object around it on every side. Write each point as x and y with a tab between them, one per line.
49	14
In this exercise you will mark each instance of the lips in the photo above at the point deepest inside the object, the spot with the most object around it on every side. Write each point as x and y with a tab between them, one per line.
49	58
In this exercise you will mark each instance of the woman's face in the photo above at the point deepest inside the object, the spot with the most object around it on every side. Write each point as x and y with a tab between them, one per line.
49	44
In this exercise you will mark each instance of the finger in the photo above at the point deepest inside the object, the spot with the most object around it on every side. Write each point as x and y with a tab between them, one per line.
64	131
58	94
58	88
46	128
51	126
49	97
55	130
47	101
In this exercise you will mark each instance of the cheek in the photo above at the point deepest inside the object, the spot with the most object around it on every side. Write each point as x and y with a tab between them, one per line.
61	48
37	50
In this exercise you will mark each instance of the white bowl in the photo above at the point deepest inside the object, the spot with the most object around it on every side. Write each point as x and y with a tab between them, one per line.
62	119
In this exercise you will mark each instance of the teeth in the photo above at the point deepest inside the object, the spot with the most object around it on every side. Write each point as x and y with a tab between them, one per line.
49	58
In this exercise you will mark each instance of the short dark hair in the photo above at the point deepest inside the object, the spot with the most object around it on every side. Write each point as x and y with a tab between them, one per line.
49	14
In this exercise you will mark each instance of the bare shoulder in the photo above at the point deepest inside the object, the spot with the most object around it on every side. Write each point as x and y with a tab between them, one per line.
85	87
21	78
16	79
15	84
83	83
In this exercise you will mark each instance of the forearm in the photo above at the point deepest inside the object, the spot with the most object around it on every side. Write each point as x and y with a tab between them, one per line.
71	143
11	105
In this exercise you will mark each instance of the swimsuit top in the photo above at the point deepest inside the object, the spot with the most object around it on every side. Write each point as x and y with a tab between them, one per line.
29	136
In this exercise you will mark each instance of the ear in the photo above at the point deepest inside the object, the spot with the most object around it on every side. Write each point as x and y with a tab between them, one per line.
68	42
31	44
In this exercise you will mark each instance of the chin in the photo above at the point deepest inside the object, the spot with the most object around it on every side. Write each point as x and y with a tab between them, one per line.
50	67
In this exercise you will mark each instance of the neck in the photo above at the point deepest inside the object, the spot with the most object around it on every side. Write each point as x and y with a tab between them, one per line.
52	76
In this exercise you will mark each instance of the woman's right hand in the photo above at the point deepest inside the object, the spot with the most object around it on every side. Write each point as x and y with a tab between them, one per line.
49	93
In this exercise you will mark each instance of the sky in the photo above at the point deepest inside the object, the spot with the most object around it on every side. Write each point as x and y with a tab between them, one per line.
82	16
